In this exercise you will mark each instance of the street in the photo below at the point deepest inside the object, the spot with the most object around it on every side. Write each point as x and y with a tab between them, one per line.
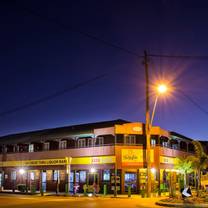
17	201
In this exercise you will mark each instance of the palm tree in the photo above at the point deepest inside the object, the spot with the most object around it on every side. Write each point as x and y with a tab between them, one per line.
184	166
200	162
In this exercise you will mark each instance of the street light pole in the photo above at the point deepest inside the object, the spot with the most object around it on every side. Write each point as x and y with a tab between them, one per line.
147	126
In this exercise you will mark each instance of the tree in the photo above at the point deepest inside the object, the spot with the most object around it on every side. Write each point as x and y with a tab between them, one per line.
200	162
184	166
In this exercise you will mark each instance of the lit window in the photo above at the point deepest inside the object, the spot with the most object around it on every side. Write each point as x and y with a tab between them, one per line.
32	176
46	146
106	175
55	175
165	144
71	177
130	139
31	147
82	176
63	144
153	142
81	143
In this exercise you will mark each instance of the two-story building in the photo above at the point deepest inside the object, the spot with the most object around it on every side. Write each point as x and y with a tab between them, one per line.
65	158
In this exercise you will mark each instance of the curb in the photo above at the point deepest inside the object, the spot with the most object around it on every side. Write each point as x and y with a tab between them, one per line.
181	205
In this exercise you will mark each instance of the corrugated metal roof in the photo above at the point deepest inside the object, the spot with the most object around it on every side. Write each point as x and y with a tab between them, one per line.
57	133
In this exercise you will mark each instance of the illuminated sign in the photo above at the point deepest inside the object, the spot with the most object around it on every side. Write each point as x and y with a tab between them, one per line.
134	155
62	161
129	128
167	160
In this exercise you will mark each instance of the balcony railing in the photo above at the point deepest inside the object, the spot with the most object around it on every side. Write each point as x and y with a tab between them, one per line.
101	145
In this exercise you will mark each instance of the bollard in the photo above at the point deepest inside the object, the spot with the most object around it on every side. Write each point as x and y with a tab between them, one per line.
66	189
85	189
129	191
105	190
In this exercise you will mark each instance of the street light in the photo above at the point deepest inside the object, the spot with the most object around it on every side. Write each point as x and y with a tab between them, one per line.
21	171
92	170
161	89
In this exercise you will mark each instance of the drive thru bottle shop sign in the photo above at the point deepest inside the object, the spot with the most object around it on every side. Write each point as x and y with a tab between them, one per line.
134	156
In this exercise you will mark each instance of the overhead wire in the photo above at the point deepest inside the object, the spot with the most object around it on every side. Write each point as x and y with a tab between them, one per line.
86	82
52	96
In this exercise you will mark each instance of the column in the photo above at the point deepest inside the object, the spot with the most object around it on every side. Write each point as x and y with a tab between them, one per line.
68	171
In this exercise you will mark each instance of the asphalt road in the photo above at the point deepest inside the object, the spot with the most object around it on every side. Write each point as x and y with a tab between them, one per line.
17	201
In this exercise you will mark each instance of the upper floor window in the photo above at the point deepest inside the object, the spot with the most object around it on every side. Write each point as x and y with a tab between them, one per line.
130	139
91	142
100	141
46	146
31	147
165	144
63	144
82	143
153	142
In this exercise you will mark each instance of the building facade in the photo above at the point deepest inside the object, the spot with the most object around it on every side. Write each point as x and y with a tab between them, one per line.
88	155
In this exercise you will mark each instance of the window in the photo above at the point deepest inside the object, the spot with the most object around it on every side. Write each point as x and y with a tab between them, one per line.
55	175
100	141
153	142
32	176
13	175
82	176
1	179
165	144
63	144
31	147
82	143
130	139
46	146
91	142
106	175
71	177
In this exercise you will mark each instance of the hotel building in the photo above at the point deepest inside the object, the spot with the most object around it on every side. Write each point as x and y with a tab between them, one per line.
67	158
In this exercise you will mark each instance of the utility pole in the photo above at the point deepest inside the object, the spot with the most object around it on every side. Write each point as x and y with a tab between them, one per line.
147	126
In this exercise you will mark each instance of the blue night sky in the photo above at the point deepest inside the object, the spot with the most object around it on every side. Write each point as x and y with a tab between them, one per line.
39	58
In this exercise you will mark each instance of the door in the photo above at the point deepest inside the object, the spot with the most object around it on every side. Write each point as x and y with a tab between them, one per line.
44	181
1	178
93	182
130	180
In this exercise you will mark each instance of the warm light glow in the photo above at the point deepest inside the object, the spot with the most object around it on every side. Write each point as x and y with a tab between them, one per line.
21	171
153	170
92	170
162	89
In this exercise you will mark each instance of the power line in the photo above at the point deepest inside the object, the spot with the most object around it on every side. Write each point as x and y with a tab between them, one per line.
200	57
108	43
52	96
194	102
86	34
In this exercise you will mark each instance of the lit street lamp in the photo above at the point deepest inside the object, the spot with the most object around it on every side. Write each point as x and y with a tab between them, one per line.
161	89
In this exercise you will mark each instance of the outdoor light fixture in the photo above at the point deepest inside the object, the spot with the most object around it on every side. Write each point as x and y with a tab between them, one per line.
92	170
162	89
153	170
21	171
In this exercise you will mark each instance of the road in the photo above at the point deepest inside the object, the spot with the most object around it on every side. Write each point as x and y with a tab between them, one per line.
17	201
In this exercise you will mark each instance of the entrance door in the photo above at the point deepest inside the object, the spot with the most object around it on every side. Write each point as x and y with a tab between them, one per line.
130	180
1	178
44	180
93	182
